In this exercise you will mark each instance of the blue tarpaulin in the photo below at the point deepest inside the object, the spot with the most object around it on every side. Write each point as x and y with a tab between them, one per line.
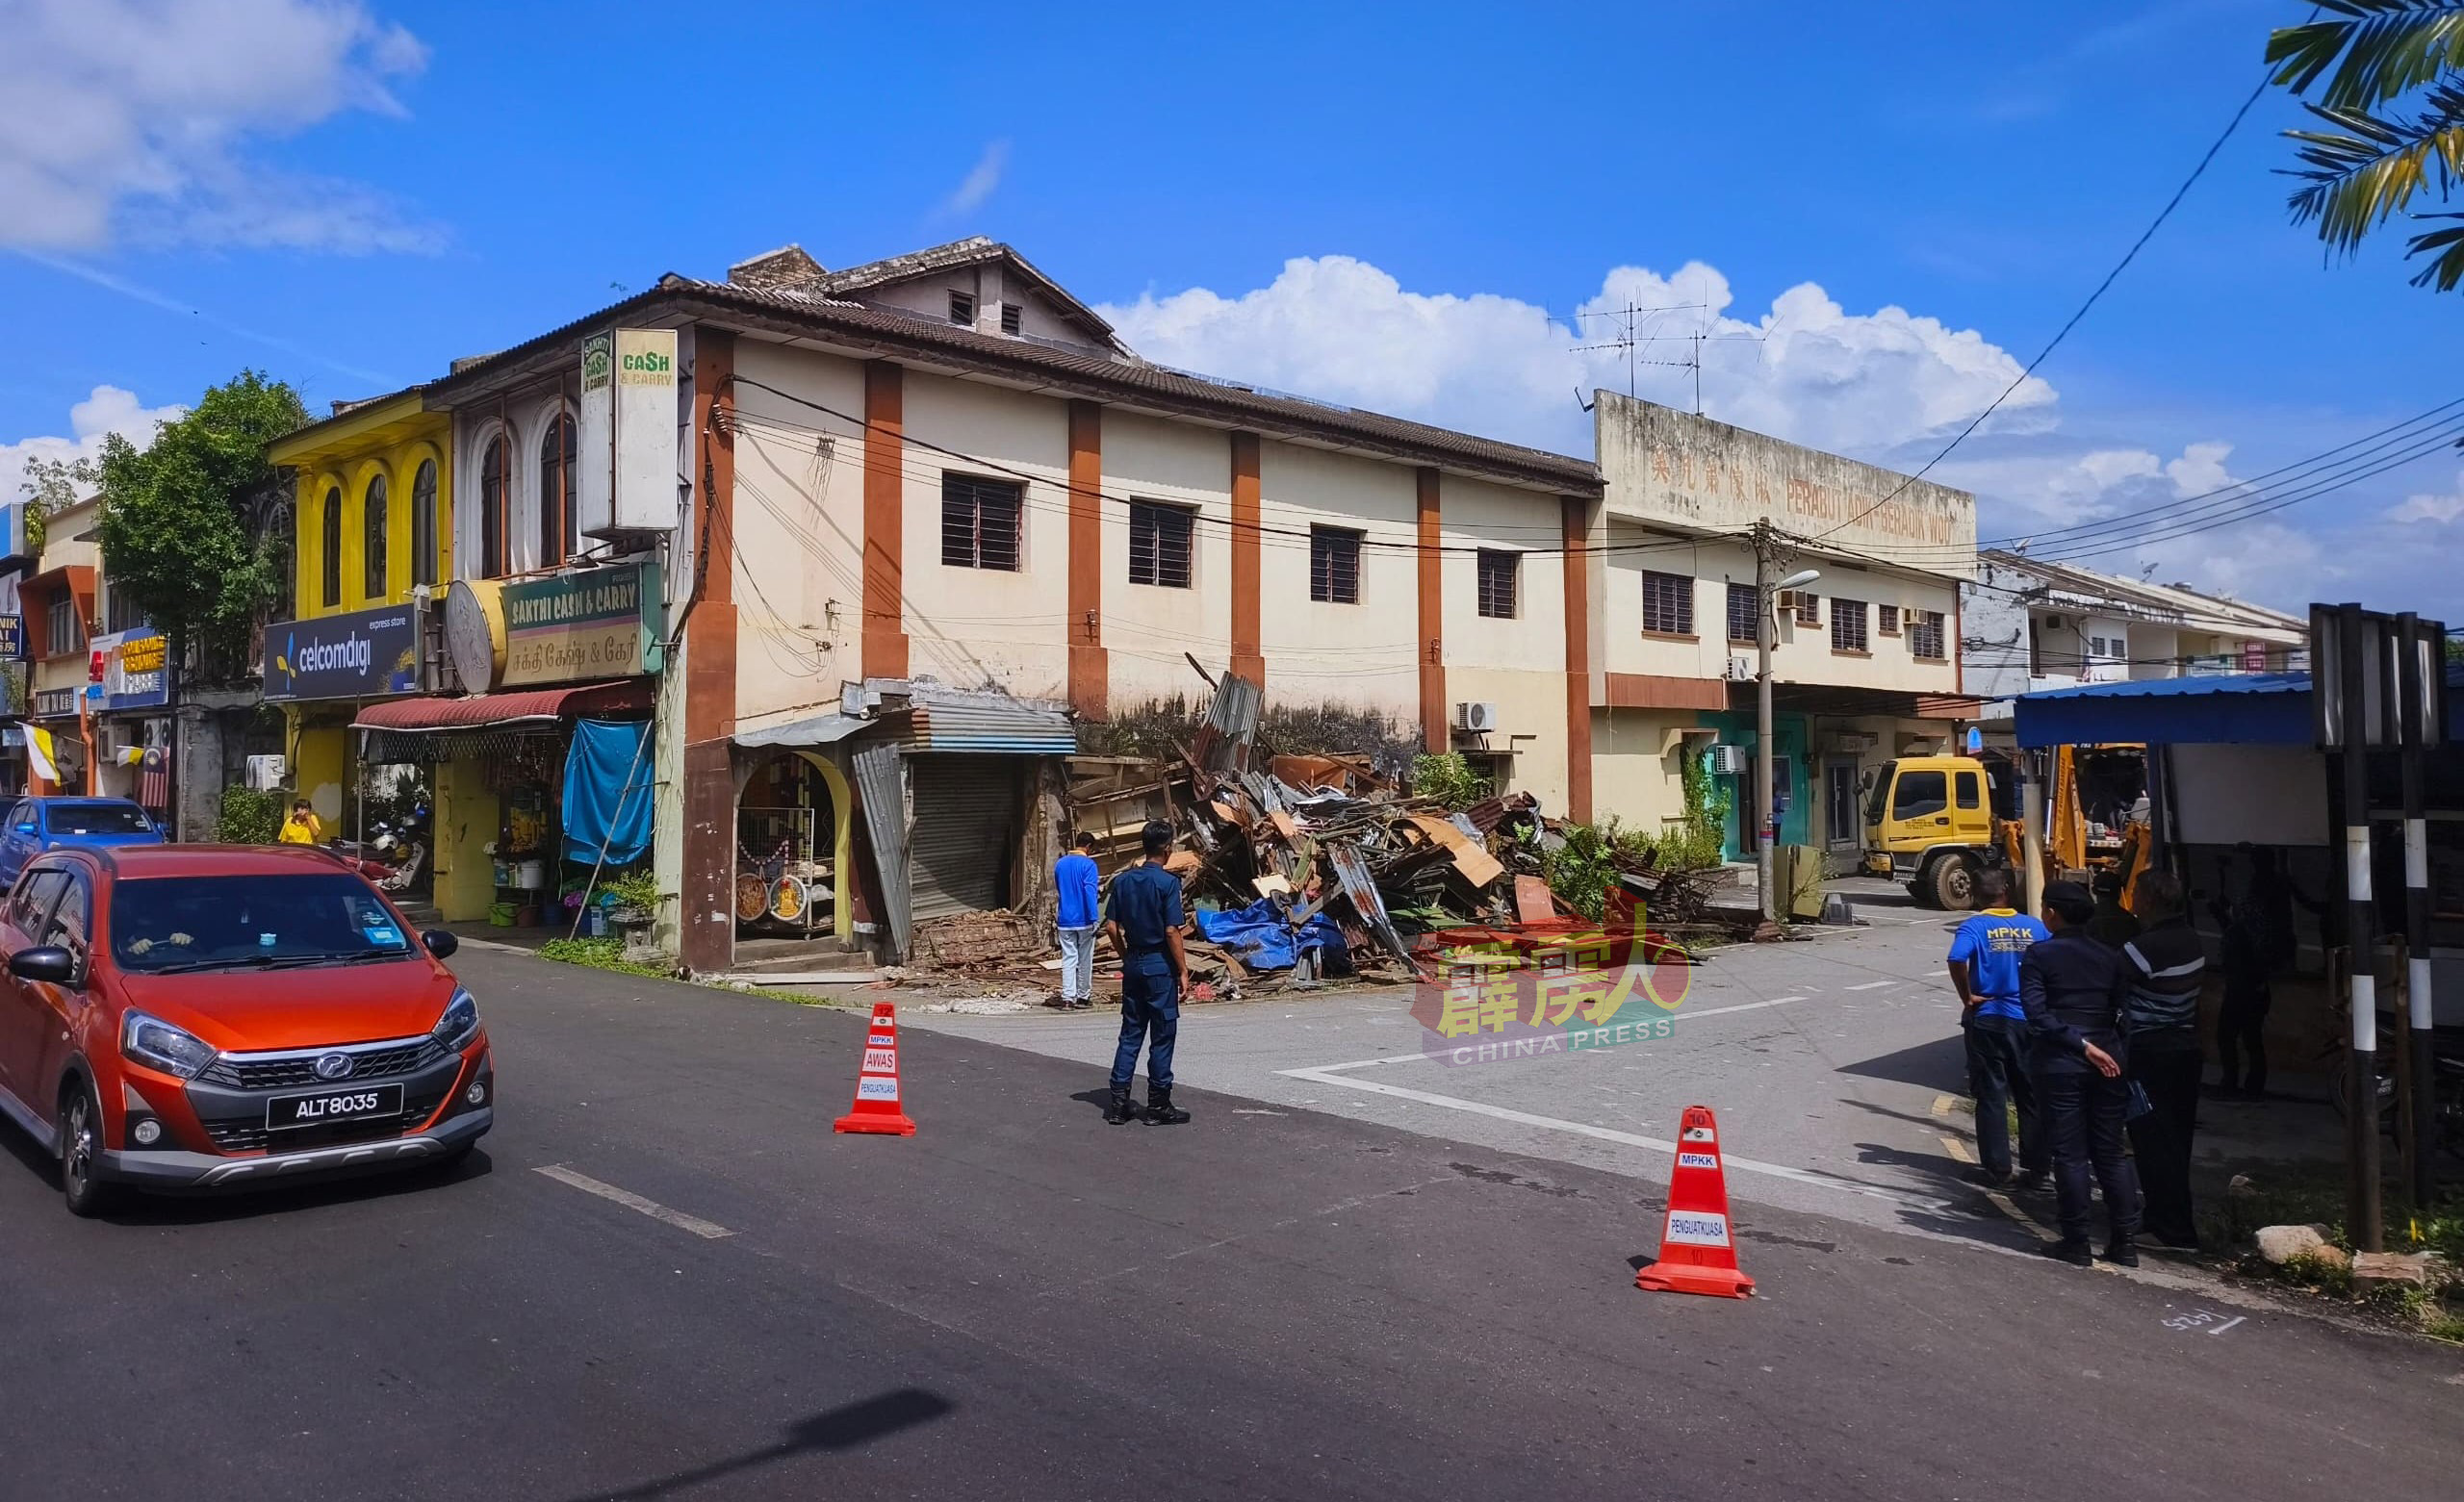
1262	938
607	791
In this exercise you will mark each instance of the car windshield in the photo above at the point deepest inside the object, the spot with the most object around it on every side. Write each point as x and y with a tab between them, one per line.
162	924
98	819
1881	792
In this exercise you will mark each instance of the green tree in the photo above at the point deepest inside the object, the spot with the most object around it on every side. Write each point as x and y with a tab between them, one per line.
51	484
177	531
2393	102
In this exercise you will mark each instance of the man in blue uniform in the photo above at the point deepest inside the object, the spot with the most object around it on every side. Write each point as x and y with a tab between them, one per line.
1144	921
2074	991
1985	971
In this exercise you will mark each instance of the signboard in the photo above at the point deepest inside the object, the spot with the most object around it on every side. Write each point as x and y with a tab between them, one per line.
134	669
12	638
475	633
361	654
592	624
627	449
594	453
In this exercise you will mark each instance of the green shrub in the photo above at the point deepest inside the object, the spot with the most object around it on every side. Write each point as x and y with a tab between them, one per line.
248	817
597	955
1450	780
1581	870
637	889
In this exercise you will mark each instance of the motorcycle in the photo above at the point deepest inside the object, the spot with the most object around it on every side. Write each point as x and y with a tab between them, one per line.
2446	1092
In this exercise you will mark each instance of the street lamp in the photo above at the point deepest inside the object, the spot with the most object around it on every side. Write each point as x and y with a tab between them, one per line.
1766	626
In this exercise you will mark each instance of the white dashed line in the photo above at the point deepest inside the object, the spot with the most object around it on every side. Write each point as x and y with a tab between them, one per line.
708	1230
1873	985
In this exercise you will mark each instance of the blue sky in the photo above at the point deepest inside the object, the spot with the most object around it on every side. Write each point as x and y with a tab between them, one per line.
1408	208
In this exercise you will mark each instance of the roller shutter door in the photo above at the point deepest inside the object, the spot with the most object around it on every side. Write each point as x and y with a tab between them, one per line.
965	833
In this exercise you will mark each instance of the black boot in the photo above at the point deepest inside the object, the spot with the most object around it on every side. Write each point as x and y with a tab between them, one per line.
2072	1250
1160	1109
1119	1110
2124	1252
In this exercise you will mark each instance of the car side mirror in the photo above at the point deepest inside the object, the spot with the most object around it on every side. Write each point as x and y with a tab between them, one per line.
440	942
45	962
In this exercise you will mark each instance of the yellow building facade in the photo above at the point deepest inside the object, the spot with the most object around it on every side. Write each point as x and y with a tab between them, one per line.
375	509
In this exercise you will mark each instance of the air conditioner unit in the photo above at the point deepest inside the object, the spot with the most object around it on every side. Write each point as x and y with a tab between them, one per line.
1725	760
1740	670
1475	715
2053	623
266	772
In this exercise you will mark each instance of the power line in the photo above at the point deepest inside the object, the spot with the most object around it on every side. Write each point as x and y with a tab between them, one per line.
2063	333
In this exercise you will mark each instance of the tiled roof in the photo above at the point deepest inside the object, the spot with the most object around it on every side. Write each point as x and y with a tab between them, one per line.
1073	372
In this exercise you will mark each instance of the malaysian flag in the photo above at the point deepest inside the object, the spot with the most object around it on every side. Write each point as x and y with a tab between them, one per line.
154	780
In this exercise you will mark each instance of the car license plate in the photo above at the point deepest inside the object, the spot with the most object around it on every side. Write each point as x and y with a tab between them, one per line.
327	1107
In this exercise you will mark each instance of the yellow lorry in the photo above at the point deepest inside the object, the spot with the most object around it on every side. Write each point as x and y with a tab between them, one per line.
1935	821
1932	823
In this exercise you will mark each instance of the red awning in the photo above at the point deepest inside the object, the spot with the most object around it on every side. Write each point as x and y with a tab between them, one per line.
488	711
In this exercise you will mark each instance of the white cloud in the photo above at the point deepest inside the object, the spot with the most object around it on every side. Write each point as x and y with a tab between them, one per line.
107	409
1341	329
2439	509
1888	385
980	181
133	118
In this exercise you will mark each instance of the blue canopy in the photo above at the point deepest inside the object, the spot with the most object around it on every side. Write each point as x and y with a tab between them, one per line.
2232	709
607	791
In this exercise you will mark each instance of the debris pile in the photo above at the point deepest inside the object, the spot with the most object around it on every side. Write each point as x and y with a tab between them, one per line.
1301	867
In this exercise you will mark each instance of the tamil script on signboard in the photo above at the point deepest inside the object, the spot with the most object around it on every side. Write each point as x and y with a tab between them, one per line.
573	627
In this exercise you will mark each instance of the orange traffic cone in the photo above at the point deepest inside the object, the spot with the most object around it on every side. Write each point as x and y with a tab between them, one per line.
1697	1254
877	1109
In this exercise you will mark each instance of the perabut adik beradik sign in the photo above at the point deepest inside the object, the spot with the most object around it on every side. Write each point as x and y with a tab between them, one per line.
362	654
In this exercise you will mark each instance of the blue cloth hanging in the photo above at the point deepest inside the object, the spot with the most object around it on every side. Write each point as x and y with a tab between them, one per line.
607	791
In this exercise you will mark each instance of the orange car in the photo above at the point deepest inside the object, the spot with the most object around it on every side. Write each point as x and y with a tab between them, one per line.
201	1017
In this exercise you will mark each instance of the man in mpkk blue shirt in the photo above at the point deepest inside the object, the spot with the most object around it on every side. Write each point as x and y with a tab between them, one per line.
1985	971
1080	913
1144	917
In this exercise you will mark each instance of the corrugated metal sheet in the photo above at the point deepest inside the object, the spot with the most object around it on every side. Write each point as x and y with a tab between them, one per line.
1223	743
880	785
987	724
965	833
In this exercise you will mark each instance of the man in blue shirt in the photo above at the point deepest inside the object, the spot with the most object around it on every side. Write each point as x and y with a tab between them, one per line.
1081	911
1985	971
1144	921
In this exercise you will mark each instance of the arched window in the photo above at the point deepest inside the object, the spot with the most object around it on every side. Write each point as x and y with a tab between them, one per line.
492	501
423	524
372	549
329	540
556	489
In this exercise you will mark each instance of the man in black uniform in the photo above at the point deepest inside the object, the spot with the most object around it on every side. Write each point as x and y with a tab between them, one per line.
1144	920
2073	990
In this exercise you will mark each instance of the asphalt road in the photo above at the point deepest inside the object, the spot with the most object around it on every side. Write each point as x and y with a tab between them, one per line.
1023	1303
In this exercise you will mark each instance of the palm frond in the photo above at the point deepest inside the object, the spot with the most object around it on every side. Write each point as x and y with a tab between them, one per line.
2370	167
2446	268
2380	49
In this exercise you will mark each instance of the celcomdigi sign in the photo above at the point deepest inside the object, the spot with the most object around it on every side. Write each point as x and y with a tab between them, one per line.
364	654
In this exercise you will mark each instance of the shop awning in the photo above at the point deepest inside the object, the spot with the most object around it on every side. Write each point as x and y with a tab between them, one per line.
1847	703
813	730
490	711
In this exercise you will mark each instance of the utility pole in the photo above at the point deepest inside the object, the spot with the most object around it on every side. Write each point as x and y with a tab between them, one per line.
1770	551
1765	627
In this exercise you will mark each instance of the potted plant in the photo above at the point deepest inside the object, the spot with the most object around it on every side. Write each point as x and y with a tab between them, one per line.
631	898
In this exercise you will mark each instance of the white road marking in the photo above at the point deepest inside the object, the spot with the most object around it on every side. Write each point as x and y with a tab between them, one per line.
708	1230
2227	1325
1804	1176
1873	985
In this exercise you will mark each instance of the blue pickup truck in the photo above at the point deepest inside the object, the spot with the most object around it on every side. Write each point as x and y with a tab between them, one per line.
35	825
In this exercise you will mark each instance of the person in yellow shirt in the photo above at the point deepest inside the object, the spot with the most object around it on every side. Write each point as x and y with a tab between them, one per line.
303	826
